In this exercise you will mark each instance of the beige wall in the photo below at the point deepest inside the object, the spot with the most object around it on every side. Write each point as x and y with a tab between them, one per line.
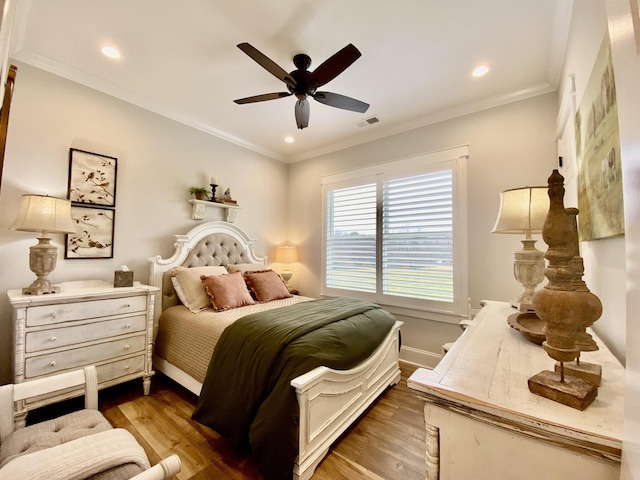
158	159
510	146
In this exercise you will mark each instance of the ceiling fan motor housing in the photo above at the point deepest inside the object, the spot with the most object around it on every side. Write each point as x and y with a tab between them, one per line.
301	89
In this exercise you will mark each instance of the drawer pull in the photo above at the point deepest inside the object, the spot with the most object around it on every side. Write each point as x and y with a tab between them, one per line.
52	364
127	326
127	305
54	315
126	347
53	339
127	367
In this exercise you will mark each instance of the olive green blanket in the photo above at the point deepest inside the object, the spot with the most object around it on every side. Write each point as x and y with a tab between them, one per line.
247	397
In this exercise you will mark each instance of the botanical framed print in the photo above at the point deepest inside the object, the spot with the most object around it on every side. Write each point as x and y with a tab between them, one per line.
94	233
92	178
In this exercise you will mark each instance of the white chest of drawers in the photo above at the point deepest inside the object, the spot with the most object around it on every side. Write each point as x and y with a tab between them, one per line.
86	323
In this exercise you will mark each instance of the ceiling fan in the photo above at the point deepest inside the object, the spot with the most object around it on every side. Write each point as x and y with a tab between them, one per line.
302	83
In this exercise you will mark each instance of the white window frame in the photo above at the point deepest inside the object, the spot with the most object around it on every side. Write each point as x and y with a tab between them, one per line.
452	158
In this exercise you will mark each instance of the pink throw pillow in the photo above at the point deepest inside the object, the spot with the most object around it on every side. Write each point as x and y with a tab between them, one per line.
266	285
227	291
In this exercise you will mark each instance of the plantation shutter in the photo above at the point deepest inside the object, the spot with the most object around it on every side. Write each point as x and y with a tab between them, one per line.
417	236
396	233
351	238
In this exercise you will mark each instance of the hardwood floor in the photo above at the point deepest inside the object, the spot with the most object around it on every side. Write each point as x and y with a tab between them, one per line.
387	442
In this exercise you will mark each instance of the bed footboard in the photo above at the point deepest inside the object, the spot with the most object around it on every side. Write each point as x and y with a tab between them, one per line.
331	400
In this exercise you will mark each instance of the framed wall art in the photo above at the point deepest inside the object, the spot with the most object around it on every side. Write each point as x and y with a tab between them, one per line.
94	233
92	178
598	154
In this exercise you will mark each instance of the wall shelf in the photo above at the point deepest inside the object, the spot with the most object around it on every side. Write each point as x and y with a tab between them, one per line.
199	207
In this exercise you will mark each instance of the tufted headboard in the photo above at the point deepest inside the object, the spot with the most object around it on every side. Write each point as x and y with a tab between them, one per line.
212	243
217	249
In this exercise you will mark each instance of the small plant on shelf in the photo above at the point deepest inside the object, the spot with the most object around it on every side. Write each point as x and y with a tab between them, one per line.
199	192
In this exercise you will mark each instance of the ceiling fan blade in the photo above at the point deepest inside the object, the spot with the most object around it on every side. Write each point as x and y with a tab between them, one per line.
340	101
263	97
302	113
334	66
269	65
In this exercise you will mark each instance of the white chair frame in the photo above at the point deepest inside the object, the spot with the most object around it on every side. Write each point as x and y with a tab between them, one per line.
14	394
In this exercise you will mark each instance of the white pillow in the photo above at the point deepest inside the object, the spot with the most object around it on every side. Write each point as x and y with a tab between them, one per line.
190	289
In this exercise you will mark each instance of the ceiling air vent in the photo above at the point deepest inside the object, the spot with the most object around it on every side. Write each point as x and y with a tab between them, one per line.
367	121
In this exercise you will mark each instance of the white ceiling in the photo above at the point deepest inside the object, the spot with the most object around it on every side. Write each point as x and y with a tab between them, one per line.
179	59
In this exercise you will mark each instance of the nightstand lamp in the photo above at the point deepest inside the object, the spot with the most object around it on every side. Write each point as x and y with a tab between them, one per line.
286	255
524	211
44	214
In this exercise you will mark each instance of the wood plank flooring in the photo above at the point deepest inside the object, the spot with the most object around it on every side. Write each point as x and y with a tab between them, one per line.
387	442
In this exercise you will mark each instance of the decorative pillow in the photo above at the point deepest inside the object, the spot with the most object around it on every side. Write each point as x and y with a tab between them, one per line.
266	285
189	288
245	267
227	291
169	293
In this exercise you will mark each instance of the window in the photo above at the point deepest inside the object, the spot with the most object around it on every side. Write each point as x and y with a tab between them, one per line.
396	233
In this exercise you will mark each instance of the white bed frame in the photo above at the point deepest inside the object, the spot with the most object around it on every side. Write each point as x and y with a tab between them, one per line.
330	400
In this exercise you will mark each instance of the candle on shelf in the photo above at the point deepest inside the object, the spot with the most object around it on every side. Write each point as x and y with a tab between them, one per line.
214	181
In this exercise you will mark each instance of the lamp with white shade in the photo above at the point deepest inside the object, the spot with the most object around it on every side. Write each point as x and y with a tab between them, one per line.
44	214
286	255
524	211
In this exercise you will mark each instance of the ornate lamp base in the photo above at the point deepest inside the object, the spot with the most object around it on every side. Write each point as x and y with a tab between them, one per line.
286	276
42	261
40	287
528	268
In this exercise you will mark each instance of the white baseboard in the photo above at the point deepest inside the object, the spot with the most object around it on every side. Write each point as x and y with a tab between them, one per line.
420	358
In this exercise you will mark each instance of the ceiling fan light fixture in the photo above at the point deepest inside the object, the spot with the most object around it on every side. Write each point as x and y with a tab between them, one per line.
289	139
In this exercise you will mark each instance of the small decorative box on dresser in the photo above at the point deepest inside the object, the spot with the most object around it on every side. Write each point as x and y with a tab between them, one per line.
483	422
88	322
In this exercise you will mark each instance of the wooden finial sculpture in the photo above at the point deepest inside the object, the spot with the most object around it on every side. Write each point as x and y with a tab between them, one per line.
562	305
591	310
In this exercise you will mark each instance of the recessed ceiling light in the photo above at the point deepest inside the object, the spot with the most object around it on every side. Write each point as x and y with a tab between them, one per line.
110	51
288	139
480	71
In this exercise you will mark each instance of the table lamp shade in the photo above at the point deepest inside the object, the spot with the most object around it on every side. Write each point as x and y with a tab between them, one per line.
45	215
522	210
41	213
286	254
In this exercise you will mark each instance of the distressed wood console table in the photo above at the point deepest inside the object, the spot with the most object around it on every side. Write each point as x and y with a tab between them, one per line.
483	423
